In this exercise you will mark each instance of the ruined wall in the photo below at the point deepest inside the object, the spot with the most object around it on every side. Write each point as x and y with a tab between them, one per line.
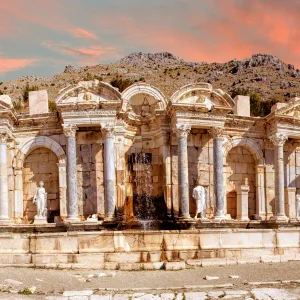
90	173
40	165
200	158
240	165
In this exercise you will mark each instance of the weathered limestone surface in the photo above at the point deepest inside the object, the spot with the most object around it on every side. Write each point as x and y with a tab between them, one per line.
38	102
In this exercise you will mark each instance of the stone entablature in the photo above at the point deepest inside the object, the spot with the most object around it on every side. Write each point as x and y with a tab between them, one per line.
97	130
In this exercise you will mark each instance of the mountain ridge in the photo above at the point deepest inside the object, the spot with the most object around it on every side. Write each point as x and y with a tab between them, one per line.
264	74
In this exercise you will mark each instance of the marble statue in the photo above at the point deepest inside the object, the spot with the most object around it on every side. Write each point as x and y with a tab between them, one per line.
297	206
40	198
199	194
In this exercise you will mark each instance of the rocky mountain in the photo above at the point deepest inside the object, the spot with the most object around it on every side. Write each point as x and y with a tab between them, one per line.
263	74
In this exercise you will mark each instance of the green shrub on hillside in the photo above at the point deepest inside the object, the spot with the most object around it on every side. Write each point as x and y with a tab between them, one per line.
258	107
28	89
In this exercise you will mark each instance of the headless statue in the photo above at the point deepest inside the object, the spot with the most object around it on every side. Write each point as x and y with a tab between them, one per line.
40	198
297	206
199	194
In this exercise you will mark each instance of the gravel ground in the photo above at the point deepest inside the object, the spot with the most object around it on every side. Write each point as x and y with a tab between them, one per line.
56	282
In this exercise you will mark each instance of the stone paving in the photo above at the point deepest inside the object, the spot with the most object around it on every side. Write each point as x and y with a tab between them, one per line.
257	294
257	281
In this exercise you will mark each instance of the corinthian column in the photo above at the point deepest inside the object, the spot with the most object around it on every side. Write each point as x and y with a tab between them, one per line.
278	141
72	206
3	180
182	132
217	134
109	172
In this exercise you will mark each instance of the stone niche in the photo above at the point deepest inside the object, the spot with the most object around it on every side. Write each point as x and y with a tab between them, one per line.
240	165
41	165
90	172
154	151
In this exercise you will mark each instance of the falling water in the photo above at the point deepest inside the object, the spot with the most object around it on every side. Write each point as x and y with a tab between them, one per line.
144	207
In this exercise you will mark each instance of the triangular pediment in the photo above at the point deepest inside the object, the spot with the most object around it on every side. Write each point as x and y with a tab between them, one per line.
290	109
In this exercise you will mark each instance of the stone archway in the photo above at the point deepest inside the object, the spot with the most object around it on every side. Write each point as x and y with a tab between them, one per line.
252	149
18	163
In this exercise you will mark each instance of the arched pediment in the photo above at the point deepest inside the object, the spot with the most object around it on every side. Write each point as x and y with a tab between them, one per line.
142	102
290	109
5	102
88	93
202	96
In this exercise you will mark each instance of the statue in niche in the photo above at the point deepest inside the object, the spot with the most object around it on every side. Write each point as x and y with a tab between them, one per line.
146	108
87	96
40	198
297	206
199	194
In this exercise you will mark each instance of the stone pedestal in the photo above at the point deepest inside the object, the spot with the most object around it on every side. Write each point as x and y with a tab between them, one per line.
109	173
278	140
290	202
72	204
242	192
217	134
4	218
182	132
40	220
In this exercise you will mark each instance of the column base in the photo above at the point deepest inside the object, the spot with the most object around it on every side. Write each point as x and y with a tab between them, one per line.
243	219
40	220
279	218
187	217
220	217
5	220
109	218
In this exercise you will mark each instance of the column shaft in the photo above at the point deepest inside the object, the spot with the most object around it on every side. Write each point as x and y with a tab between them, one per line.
3	181
182	132
278	141
109	176
72	206
183	176
217	133
279	180
218	176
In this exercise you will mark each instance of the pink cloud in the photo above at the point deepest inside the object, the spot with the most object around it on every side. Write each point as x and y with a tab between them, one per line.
11	64
82	33
84	55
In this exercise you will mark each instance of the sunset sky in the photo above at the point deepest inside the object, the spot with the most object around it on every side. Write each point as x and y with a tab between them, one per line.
41	37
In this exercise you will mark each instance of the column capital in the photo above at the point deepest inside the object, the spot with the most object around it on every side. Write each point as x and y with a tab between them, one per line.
216	132
182	130
108	130
278	139
70	129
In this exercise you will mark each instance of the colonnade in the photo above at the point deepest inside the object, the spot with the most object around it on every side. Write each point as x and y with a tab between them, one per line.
182	132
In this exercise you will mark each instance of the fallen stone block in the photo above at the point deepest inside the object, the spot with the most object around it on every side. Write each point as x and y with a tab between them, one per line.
211	277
